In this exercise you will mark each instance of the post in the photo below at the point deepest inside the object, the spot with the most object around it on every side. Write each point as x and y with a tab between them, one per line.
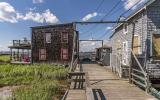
10	54
130	67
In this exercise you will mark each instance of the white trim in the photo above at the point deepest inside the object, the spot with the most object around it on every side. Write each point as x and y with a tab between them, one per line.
124	30
125	53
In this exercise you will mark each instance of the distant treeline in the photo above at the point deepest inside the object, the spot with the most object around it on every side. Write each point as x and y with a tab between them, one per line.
4	52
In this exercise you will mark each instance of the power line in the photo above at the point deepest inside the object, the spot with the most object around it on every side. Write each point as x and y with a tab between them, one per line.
95	26
111	9
98	7
121	15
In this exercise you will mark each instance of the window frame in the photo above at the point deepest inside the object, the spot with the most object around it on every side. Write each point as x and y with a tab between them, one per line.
64	54
124	28
48	37
125	53
139	44
42	54
64	37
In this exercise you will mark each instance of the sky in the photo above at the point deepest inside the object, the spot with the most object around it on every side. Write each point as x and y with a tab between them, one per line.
17	16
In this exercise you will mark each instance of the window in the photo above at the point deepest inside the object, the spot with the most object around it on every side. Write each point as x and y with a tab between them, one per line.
125	28
48	37
156	46
64	37
136	45
125	53
64	53
118	44
42	54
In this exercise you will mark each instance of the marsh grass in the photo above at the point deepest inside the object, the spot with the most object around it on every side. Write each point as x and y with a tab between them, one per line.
4	58
40	81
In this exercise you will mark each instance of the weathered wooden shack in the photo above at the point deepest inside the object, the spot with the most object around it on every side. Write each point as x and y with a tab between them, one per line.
54	43
20	52
138	38
103	55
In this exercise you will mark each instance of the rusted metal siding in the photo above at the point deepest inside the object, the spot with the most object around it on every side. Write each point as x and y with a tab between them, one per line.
53	49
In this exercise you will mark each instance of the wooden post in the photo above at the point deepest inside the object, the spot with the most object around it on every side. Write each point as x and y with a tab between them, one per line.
130	67
10	54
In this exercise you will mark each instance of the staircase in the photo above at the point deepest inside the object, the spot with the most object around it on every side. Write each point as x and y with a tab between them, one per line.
153	70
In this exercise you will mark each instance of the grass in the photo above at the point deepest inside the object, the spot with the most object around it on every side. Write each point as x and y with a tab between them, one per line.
38	81
4	58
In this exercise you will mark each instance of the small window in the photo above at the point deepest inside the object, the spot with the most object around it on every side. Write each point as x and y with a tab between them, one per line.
156	46
137	45
48	37
64	53
125	28
64	37
42	54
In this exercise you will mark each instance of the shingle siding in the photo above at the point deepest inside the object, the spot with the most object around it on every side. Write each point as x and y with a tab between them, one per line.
140	29
153	21
147	21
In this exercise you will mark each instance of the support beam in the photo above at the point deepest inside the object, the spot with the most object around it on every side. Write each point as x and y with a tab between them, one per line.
101	22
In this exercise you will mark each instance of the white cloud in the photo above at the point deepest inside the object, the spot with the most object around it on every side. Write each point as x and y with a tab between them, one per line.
37	1
129	3
32	9
7	13
5	47
50	17
45	16
109	28
89	16
87	46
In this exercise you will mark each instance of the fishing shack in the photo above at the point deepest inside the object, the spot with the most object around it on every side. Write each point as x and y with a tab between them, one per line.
20	52
103	55
54	43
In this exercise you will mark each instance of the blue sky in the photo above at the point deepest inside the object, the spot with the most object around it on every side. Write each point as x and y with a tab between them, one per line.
17	16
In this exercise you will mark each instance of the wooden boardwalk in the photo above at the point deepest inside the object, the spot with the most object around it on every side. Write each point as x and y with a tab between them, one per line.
108	86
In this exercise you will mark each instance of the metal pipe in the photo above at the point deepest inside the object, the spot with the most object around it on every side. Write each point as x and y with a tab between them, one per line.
101	22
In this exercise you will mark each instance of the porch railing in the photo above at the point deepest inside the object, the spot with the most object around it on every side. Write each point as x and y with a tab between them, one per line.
138	74
116	64
74	65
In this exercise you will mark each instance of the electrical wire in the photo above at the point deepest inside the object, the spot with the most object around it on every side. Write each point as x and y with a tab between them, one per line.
121	15
95	26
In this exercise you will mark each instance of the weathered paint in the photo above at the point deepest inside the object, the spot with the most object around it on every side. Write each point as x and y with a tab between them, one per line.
147	20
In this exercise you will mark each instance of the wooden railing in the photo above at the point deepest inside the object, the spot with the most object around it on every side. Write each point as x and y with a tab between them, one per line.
65	95
74	65
21	42
138	75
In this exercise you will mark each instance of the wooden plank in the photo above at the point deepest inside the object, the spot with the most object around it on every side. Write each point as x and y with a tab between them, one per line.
65	95
76	73
76	80
137	82
137	70
112	86
89	94
139	77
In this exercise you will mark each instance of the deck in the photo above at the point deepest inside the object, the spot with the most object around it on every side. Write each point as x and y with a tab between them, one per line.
107	86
